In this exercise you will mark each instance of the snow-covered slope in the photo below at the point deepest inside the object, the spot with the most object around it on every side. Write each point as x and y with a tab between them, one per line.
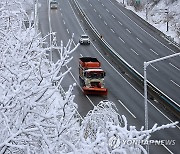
157	15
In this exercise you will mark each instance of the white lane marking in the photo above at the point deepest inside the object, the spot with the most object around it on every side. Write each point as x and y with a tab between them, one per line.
154	67
107	10
100	16
61	14
64	22
142	28
168	149
113	16
127	109
154	51
102	4
128	30
134	51
74	44
133	86
81	55
105	23
67	31
121	39
76	108
121	75
119	22
79	86
94	10
76	18
112	30
91	5
175	83
138	39
174	66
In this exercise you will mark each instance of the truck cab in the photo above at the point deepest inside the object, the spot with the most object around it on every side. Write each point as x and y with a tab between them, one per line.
91	76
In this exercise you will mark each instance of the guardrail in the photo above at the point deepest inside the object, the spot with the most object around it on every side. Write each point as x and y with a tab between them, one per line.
168	38
169	103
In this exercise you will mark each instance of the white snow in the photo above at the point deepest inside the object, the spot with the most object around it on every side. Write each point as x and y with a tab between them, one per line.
157	15
36	115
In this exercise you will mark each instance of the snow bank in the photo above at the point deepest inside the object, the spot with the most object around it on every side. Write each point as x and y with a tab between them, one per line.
157	16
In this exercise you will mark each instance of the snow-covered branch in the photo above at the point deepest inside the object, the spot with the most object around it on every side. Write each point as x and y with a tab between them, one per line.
33	112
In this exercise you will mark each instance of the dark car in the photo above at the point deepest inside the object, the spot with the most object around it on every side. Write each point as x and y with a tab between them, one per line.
53	4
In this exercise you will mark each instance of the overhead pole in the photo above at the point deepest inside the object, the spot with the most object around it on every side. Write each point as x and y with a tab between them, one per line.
50	30
146	10
36	15
146	64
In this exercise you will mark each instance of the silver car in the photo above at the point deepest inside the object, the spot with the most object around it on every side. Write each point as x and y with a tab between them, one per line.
84	39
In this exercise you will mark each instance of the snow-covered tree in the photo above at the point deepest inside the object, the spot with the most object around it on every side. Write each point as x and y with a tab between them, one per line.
104	131
36	116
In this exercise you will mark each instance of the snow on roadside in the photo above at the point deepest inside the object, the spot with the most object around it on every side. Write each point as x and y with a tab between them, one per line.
158	18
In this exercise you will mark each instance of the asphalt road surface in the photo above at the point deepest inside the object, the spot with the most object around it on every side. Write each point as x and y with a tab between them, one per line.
136	43
128	99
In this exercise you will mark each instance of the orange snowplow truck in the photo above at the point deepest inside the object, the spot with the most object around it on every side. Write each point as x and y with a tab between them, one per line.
91	76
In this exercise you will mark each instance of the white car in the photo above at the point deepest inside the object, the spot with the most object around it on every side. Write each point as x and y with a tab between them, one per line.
84	39
53	4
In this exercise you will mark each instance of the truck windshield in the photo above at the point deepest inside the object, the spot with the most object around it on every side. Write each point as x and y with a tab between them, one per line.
95	75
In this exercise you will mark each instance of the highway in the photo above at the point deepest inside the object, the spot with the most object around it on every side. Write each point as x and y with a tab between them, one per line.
136	44
128	99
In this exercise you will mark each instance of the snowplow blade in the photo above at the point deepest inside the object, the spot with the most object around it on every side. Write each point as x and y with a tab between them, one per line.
95	91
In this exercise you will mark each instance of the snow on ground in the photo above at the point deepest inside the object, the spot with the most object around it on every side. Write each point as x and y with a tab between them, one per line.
157	16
